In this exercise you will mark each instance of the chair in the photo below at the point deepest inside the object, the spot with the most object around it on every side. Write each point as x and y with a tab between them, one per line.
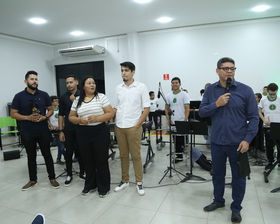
8	122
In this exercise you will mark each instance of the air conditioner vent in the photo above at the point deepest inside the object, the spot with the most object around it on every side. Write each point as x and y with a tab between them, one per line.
84	50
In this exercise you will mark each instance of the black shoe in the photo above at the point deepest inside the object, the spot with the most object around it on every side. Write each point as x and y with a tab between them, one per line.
236	217
212	207
86	191
82	176
58	161
268	166
68	181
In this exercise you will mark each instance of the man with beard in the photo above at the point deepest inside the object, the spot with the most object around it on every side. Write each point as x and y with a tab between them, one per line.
67	132
33	107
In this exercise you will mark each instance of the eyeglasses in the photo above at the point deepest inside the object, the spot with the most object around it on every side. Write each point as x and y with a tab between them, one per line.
228	68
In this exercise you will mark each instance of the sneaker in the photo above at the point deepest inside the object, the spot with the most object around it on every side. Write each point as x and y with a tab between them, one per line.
121	186
82	176
39	219
103	195
140	188
86	191
60	162
29	185
68	181
54	184
268	166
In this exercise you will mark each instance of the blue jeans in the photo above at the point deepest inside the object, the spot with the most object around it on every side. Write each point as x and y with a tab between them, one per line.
219	155
60	147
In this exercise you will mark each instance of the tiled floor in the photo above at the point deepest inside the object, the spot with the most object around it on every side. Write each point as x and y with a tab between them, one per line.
168	202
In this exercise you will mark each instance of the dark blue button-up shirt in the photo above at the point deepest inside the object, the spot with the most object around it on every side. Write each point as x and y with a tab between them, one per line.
237	120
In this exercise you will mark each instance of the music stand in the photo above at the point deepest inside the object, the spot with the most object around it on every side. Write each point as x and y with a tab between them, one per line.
170	168
192	128
195	104
275	136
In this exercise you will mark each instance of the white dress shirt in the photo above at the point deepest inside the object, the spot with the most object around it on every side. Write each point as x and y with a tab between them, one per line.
130	102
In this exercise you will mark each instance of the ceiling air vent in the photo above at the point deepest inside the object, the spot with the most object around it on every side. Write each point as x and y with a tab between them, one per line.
85	50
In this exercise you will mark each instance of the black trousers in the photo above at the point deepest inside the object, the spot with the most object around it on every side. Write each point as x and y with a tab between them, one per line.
269	143
94	144
71	145
153	116
30	141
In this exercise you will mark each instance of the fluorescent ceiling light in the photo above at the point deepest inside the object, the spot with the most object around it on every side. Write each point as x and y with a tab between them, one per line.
164	19
142	1
37	21
260	8
77	33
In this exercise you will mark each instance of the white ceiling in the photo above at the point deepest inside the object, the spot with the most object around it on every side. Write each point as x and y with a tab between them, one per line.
104	18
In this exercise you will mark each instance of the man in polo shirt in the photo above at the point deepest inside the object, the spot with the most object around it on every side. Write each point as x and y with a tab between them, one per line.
67	133
30	106
132	107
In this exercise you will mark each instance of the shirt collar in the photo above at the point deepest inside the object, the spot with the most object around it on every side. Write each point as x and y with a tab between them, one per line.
135	83
36	92
234	83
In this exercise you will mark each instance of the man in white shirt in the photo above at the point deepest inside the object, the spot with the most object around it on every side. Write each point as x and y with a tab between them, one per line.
270	107
179	102
132	107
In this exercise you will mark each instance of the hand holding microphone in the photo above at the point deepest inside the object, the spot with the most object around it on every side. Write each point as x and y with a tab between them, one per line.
223	99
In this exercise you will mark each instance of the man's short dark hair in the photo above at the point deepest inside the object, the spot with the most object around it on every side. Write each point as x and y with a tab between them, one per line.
151	92
258	95
176	78
30	73
71	76
53	98
223	60
128	64
272	87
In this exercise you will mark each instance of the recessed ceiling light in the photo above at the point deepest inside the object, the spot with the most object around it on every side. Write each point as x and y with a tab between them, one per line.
77	33
142	1
260	8
37	20
164	19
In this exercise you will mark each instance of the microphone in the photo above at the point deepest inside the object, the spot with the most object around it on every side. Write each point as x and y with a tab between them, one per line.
158	95
228	84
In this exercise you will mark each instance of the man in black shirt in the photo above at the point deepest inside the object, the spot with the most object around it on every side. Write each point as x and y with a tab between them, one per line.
67	131
32	107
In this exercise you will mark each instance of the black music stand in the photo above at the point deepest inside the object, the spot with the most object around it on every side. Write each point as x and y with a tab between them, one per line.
170	168
195	105
275	136
192	128
150	157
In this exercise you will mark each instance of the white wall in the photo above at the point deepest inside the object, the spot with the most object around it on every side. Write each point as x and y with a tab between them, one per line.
192	54
18	56
189	53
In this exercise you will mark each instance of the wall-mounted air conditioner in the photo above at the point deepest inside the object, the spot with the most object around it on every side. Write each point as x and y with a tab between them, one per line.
84	50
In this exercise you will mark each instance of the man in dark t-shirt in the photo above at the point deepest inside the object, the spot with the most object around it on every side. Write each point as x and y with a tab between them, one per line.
67	131
29	107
